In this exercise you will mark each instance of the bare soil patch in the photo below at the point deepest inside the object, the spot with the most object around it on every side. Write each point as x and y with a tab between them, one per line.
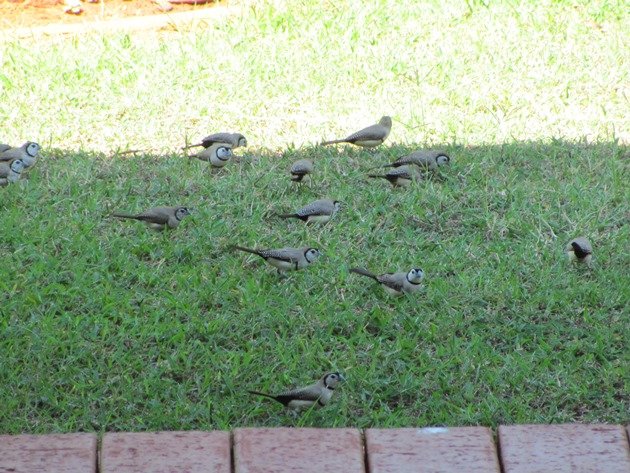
33	13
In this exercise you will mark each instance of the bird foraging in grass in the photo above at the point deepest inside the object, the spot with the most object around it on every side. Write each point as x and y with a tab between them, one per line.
396	284
285	259
580	250
319	211
218	155
401	176
424	159
300	169
27	153
369	137
316	394
159	218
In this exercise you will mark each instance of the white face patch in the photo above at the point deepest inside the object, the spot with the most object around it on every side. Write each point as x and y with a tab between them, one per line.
32	149
224	153
442	160
17	166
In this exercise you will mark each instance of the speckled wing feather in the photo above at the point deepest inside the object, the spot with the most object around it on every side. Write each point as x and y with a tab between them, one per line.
371	133
319	207
394	281
219	138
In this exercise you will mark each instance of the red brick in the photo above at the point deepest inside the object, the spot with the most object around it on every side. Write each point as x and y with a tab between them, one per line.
59	453
570	448
162	452
431	450
287	450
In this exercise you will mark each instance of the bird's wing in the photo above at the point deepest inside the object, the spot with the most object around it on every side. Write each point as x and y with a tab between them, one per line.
400	172
10	154
310	393
315	208
156	215
374	132
301	167
392	280
285	254
217	138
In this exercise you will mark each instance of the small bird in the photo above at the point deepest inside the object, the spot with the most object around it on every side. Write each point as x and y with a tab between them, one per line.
235	140
159	218
369	137
396	284
318	393
11	171
4	147
218	154
319	211
580	250
301	168
401	176
424	159
27	153
286	259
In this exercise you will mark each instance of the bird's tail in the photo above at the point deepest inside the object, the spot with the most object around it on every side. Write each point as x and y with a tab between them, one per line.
246	250
119	215
363	272
287	216
332	142
258	393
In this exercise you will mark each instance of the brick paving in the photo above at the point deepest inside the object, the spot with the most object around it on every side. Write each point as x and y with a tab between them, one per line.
575	448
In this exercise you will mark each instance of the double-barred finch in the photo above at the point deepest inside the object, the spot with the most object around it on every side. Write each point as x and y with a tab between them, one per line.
369	137
424	159
4	147
396	284
286	259
318	393
319	211
10	171
235	140
159	218
27	153
301	168
401	176
580	250
218	154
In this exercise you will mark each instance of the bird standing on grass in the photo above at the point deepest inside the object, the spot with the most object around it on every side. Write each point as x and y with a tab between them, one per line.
318	393
431	160
300	169
218	155
27	153
369	137
159	218
319	211
285	259
10	171
235	140
396	284
401	176
580	250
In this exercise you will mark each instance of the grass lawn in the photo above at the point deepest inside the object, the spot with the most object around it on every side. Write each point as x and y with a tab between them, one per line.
107	326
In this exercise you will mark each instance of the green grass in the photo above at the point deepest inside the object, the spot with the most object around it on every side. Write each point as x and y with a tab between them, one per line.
106	326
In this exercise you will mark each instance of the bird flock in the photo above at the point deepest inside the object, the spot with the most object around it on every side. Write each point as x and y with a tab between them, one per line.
218	152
